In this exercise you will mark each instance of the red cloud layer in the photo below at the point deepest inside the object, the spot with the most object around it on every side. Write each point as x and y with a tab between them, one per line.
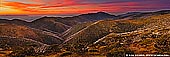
74	6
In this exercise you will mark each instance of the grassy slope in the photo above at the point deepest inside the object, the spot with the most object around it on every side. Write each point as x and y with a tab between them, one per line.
152	38
75	29
96	31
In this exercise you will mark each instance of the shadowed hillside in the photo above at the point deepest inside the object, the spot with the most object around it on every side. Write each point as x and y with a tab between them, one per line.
11	30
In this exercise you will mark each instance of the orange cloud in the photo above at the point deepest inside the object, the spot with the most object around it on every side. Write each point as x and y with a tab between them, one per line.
68	7
20	5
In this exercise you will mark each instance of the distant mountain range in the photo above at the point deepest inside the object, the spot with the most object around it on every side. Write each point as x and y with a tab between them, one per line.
92	34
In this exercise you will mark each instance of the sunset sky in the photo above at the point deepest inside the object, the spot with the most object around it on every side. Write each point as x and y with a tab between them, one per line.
79	6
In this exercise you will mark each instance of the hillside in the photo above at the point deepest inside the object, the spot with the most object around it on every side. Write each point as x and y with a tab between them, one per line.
22	40
151	39
18	45
49	24
43	24
11	30
75	29
97	30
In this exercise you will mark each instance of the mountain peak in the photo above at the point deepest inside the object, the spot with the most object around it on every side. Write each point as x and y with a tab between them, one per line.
97	13
102	12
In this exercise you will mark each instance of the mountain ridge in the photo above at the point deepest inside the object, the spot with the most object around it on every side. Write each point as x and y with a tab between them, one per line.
130	33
